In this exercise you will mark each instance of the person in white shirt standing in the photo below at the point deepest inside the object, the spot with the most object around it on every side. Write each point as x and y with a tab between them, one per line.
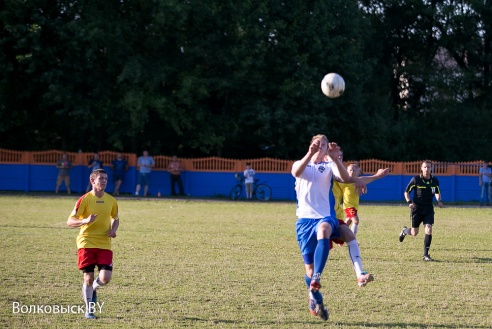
249	179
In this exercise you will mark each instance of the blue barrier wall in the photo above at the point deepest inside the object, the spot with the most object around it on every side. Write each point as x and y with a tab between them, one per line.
42	178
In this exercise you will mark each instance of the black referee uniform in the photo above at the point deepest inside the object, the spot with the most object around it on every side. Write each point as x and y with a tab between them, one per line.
422	211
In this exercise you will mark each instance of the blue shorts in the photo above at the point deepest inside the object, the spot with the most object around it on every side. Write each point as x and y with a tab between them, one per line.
307	230
143	179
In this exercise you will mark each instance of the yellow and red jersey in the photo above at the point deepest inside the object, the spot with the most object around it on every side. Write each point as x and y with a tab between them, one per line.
346	193
95	234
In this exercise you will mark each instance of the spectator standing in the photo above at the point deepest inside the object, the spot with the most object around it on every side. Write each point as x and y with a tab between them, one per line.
119	167
484	178
64	166
94	164
145	164
249	179
175	168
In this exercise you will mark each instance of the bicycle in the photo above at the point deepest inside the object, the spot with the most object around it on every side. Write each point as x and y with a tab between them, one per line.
261	191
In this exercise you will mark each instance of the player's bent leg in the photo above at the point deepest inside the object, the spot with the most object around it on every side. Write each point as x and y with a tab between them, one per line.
345	233
105	275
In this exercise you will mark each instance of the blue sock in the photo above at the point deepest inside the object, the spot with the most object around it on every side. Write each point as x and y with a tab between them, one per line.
321	255
308	281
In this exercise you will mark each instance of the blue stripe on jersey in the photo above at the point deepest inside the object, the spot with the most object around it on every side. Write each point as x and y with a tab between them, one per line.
331	196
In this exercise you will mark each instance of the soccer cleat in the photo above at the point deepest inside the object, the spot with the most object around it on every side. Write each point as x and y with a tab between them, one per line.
402	233
315	282
323	312
90	315
427	258
364	279
94	296
312	305
316	306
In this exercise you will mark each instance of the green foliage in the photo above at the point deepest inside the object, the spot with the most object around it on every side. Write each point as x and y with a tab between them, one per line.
242	80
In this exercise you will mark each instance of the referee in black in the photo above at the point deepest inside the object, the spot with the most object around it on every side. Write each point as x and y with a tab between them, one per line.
424	187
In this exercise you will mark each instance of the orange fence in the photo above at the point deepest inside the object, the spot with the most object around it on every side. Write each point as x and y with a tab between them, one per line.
215	164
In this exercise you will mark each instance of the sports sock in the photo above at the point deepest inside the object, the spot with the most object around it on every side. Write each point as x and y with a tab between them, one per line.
87	296
354	252
97	283
321	255
427	244
408	231
308	281
354	228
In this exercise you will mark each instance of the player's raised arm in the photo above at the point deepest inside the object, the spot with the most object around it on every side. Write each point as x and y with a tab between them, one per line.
334	154
380	174
300	165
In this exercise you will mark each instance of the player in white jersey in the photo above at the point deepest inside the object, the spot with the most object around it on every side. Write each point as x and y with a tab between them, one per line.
317	221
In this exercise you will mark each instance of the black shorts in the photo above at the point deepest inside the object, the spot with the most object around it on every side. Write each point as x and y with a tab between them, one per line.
117	177
422	215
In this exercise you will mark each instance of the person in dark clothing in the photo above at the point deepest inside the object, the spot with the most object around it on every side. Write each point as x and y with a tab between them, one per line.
424	186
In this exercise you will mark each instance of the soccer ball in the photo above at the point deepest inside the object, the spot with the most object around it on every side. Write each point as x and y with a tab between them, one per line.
333	85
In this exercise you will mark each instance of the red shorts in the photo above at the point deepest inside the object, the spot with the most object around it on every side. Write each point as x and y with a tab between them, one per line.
94	256
337	241
350	212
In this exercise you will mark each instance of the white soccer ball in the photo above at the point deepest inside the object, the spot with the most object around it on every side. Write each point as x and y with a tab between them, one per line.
333	85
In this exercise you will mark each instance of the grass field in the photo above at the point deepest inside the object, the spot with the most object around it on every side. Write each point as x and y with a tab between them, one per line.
218	264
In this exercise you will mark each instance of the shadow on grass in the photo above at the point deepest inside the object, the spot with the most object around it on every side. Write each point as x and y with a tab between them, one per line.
62	227
407	325
281	324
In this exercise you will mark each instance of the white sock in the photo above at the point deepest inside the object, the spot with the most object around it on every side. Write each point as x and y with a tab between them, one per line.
354	252
354	228
87	296
97	283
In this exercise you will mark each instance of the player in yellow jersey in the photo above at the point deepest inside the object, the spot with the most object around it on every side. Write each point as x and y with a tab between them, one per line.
346	194
96	214
346	235
351	197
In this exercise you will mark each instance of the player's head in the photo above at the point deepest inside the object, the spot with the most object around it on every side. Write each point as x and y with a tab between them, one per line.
98	172
352	169
99	179
322	142
426	167
320	137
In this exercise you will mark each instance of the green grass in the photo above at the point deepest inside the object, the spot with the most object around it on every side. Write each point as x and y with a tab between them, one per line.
218	264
